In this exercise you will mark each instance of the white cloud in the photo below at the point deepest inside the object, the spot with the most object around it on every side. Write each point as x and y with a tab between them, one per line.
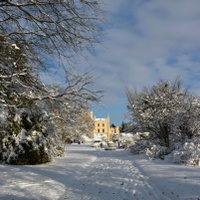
147	41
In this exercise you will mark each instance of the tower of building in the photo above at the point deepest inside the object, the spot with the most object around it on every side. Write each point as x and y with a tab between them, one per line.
102	126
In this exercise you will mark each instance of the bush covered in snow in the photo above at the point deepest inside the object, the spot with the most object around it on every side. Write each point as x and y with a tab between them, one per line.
28	138
124	139
141	142
188	153
185	152
139	146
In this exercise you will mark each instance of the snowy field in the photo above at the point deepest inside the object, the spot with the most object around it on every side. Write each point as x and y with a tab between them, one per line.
94	174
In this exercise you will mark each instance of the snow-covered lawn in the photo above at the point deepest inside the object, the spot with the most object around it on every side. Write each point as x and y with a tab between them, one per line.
87	173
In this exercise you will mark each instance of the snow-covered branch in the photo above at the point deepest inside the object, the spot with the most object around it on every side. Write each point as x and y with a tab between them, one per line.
165	109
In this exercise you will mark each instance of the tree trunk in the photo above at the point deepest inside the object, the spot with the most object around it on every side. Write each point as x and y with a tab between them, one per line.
165	134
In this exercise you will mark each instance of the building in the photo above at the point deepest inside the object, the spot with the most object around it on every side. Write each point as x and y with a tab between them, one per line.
102	126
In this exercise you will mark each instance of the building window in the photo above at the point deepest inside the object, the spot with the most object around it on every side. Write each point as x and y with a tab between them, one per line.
98	130
103	125
103	130
98	124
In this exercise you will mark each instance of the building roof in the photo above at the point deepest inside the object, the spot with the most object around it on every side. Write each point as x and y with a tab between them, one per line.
100	118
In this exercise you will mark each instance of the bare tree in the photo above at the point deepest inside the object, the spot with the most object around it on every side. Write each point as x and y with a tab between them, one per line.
51	27
32	32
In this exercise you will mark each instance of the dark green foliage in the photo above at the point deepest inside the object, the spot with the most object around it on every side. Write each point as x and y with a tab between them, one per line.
30	156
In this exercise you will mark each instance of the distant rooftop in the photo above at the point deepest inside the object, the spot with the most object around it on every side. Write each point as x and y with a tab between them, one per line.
99	118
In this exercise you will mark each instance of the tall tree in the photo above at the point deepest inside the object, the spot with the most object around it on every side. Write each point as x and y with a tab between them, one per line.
28	120
26	131
32	35
164	109
51	27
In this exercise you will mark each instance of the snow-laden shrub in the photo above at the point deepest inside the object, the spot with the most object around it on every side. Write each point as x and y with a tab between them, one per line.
31	147
188	153
156	151
146	143
143	135
142	141
29	138
125	140
179	157
26	147
139	146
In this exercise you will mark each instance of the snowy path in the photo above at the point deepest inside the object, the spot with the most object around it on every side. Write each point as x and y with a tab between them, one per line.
94	174
112	176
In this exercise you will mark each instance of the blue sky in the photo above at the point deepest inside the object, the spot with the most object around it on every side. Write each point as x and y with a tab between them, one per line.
145	41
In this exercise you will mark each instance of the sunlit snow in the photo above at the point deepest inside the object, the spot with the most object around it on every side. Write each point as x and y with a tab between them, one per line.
87	173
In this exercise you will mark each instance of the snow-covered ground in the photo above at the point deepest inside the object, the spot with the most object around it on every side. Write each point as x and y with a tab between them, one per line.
87	173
